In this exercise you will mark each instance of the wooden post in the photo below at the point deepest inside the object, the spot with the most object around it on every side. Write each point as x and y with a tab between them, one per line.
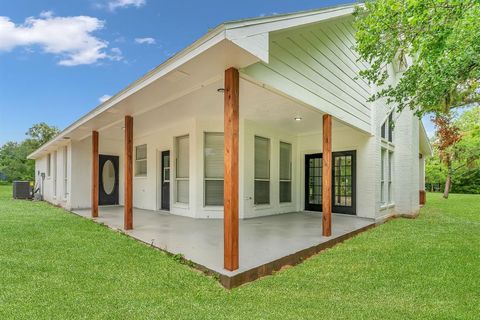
230	195
327	176
128	163
95	176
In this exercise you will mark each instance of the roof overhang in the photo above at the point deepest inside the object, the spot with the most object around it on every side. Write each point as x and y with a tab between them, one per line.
425	146
251	35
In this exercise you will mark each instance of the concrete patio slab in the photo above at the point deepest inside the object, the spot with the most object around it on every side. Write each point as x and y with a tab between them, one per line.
262	241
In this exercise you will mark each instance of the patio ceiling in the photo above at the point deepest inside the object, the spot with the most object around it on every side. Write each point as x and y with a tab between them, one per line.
256	104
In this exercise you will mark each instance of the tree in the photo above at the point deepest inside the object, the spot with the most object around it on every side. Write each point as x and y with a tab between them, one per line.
434	42
448	136
464	155
13	155
41	133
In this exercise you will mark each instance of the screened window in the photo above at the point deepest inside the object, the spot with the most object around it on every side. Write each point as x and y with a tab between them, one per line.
54	174
213	156
285	172
262	171
49	165
182	168
141	160
65	172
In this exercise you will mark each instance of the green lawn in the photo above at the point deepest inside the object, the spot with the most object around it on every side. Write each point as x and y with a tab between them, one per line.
56	265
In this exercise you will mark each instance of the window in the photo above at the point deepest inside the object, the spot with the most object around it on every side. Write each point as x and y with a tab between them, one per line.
285	172
141	160
382	177
54	174
390	176
386	185
213	155
387	128
262	171
182	169
390	127
49	165
65	172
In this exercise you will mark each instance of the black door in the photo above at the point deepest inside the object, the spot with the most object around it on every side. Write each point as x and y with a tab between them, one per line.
313	182
108	191
343	182
165	180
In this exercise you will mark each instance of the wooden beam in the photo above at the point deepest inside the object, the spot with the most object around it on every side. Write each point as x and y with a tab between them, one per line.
95	174
128	174
230	195
327	176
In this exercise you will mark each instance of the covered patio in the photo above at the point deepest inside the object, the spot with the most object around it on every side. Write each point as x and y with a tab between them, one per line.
266	244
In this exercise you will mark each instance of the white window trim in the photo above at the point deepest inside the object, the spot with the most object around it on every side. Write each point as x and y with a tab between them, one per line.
179	204
387	192
269	204
291	174
386	122
55	174
49	166
205	178
141	175
65	173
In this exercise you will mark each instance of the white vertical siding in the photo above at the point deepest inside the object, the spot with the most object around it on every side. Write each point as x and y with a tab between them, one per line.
317	65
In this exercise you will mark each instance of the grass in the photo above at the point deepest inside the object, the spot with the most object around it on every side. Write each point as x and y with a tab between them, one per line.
56	265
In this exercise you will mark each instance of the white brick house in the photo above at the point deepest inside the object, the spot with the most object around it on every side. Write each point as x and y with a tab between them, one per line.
293	70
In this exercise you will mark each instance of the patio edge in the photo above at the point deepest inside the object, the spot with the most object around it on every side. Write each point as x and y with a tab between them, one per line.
290	260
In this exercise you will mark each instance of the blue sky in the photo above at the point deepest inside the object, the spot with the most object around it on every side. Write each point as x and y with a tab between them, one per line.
47	74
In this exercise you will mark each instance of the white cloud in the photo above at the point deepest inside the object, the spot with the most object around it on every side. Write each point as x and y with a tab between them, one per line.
70	38
116	54
145	40
115	4
104	98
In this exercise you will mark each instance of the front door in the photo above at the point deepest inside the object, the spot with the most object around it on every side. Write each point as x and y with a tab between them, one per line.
165	196
343	182
108	180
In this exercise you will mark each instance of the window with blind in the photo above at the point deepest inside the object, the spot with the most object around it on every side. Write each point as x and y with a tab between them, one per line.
182	169
213	156
262	171
141	160
285	172
65	172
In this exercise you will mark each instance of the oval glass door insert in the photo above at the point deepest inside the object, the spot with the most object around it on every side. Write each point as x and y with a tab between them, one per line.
108	177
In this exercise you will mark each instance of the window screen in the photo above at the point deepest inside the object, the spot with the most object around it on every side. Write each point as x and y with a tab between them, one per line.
262	171
182	169
141	160
285	172
213	160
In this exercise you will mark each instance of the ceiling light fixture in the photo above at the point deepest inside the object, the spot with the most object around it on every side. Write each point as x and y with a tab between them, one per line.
221	90
298	118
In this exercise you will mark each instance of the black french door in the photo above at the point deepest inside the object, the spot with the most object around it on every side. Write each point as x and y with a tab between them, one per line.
165	180
343	182
108	180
